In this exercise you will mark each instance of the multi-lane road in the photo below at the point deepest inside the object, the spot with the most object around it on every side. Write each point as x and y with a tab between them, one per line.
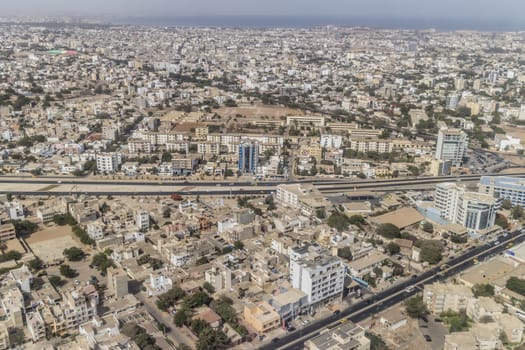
59	186
394	294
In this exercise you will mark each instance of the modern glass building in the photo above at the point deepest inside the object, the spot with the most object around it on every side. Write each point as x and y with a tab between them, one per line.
248	157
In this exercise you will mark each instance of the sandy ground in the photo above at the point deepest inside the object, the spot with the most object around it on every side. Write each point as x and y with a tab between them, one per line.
14	244
513	171
49	244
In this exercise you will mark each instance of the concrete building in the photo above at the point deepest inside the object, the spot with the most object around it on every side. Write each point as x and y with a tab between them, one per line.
117	282
290	304
220	277
7	232
4	337
348	336
440	167
108	162
142	220
440	297
316	273
484	336
303	197
158	283
483	307
473	210
248	157
36	325
504	187
451	145
261	317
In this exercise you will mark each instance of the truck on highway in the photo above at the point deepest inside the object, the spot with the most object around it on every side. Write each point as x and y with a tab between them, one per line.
176	197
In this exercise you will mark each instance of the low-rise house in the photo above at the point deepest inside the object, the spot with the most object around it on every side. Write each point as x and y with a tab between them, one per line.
261	317
365	265
344	336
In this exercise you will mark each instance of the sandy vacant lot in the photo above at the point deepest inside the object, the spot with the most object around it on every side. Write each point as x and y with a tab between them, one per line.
49	244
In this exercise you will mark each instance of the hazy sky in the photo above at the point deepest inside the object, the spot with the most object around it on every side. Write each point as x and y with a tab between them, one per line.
495	10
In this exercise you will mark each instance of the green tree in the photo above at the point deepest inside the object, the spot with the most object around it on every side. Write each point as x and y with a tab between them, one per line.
388	230
457	321
506	204
431	250
55	281
238	245
357	220
67	271
168	299
516	284
208	287
338	221
455	238
182	316
428	227
517	212
393	248
376	342
73	254
501	221
415	307
24	227
166	157
35	264
197	299
345	253
102	262
483	290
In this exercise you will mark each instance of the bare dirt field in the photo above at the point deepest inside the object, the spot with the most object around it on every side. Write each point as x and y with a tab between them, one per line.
49	244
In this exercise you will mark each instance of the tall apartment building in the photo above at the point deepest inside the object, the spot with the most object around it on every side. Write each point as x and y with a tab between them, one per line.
504	187
108	162
451	145
316	273
142	220
248	156
452	101
473	210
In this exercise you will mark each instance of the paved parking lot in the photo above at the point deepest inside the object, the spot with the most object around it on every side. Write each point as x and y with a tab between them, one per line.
436	330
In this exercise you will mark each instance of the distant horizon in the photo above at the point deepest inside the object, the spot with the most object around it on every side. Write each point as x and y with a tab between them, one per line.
309	21
298	21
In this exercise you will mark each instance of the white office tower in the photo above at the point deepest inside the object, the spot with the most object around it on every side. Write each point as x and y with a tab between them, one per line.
473	210
316	273
451	145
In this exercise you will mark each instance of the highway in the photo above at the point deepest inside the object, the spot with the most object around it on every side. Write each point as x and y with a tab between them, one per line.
66	186
393	295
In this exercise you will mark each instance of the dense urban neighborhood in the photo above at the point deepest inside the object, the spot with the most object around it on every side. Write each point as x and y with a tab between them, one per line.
320	188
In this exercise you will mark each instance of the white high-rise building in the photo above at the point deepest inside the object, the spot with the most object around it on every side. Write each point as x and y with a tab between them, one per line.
452	101
473	210
108	162
316	273
142	220
451	145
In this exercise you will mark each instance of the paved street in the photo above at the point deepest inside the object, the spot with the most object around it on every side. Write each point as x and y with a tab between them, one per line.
175	334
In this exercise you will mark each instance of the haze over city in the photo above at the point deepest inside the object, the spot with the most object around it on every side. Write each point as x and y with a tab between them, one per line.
379	13
262	175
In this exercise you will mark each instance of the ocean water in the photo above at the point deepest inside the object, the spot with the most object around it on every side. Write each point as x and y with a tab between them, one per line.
445	24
